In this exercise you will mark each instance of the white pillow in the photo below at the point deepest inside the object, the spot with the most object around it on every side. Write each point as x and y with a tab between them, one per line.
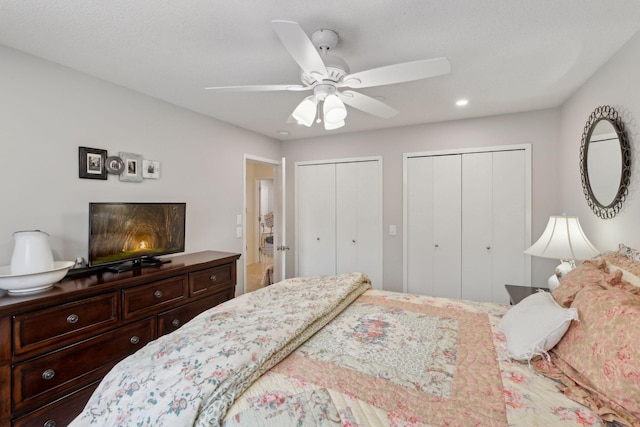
535	325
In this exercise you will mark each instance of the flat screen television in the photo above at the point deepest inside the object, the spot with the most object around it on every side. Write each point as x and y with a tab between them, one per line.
131	235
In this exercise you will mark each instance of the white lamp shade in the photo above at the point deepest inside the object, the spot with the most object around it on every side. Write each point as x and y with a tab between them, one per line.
334	109
563	239
305	112
332	126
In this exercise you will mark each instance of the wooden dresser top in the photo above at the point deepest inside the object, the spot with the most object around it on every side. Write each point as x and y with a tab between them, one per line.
93	282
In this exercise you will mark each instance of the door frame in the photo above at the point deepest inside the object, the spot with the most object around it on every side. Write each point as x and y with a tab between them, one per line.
377	159
528	197
253	159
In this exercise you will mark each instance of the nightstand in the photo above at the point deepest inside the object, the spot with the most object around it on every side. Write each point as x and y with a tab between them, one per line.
518	293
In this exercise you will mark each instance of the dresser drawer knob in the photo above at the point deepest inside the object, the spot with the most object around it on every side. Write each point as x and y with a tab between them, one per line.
134	339
49	423
213	278
158	294
175	322
48	374
72	318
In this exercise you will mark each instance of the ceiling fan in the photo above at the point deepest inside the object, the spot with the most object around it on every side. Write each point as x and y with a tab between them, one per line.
325	74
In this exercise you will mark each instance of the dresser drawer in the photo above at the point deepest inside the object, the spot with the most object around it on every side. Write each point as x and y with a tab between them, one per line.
150	298
171	320
49	376
64	324
59	413
212	280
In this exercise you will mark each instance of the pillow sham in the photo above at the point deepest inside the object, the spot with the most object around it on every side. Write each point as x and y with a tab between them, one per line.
601	352
626	259
589	272
535	325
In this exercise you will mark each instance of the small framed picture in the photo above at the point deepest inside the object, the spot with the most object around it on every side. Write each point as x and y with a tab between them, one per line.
132	167
91	163
150	169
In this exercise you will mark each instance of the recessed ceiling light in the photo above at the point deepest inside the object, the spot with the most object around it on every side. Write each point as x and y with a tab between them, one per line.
283	132
462	102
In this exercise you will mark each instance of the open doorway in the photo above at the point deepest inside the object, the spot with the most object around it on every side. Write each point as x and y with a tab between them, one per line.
260	203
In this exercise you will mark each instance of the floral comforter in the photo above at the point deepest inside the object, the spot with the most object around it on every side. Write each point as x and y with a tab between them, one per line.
393	359
387	359
192	376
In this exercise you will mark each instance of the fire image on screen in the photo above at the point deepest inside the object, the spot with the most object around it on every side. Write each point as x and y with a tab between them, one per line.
127	231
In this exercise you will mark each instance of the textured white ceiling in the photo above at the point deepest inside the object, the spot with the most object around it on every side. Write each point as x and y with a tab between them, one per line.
506	55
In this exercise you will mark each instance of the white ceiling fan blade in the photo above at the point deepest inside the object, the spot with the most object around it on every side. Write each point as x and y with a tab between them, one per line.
367	104
398	73
258	88
300	47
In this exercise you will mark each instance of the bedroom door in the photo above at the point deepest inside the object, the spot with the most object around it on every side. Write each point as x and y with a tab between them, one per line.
280	224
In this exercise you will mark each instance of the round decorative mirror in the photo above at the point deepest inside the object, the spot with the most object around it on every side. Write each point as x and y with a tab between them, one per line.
605	162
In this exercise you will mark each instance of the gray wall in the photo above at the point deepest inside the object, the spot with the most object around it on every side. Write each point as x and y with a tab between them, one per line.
48	111
615	84
53	110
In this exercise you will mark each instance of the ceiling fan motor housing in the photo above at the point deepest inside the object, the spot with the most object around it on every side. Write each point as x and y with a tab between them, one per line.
324	39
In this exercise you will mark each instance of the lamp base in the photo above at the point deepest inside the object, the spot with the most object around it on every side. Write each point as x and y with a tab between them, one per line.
563	268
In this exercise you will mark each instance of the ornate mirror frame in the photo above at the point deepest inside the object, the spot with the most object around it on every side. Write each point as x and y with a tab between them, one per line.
609	114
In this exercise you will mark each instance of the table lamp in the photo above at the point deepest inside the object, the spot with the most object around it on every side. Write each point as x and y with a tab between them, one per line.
563	239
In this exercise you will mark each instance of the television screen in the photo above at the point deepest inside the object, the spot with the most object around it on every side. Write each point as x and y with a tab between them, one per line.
120	232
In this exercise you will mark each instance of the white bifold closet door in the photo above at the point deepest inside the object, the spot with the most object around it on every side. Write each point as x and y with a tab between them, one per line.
433	231
316	219
339	219
466	224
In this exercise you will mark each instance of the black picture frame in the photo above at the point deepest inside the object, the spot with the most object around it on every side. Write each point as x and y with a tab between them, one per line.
91	163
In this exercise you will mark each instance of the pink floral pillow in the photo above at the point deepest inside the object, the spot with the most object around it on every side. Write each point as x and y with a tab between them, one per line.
591	272
626	258
601	353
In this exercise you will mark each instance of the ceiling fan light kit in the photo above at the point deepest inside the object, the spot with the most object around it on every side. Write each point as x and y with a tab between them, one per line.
324	74
334	110
305	112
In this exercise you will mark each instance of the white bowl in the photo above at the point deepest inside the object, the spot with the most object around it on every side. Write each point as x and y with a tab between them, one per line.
31	282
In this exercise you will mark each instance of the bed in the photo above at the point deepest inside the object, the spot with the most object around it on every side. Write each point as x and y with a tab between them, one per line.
329	351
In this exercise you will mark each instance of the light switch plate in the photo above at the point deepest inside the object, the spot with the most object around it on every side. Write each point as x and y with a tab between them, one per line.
393	230
238	232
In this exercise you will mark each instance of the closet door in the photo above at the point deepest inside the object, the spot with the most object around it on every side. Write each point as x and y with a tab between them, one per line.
433	232
493	224
316	219
509	222
477	225
358	222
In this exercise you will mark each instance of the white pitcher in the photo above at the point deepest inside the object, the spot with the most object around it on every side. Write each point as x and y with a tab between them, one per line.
31	253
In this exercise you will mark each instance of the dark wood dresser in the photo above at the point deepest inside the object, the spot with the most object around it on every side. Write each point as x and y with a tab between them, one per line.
56	345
